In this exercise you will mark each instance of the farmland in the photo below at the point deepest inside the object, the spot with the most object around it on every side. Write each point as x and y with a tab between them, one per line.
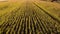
29	17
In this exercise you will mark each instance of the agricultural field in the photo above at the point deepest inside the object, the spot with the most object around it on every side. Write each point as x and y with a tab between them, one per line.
29	17
50	7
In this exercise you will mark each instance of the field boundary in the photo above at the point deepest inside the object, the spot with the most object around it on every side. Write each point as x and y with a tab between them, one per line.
44	10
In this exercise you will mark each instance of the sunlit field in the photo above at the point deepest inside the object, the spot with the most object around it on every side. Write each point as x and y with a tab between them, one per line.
29	17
